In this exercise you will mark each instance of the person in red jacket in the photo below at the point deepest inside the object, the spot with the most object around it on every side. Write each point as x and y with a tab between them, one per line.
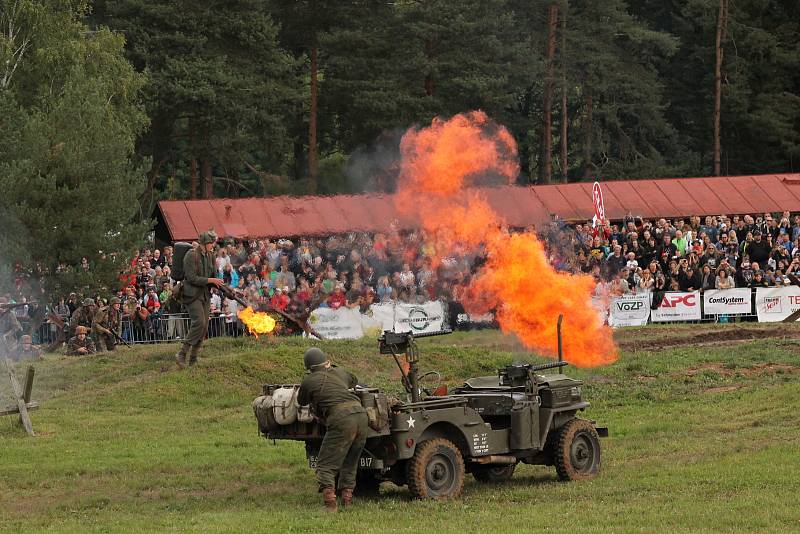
279	299
337	298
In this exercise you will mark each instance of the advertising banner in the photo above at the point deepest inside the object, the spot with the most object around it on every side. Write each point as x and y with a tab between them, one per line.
630	310
419	318
343	323
383	314
727	301
776	303
677	306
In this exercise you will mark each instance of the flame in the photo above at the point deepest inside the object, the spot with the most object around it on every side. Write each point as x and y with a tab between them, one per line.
257	322
439	164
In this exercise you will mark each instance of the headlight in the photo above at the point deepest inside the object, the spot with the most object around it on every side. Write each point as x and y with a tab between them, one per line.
575	392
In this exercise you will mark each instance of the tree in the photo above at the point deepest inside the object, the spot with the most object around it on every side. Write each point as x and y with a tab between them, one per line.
220	90
69	119
722	28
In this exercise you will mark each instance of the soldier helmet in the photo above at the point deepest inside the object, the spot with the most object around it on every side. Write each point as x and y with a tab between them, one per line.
314	357
81	330
88	302
26	339
115	300
209	236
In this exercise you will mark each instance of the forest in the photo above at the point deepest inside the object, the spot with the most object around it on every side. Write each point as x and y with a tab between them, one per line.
265	97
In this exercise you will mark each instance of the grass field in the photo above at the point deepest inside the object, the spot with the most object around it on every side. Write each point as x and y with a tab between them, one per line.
704	437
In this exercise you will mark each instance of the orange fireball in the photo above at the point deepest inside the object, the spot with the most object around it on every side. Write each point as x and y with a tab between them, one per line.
438	165
257	322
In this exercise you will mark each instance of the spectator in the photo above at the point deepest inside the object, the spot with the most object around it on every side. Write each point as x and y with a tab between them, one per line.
723	280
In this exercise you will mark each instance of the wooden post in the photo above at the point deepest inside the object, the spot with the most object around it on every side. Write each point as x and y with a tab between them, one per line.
19	394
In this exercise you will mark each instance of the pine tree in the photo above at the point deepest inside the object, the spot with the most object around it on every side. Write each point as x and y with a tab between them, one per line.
69	118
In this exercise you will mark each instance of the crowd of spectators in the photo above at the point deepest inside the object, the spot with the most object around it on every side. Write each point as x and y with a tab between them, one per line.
683	254
356	270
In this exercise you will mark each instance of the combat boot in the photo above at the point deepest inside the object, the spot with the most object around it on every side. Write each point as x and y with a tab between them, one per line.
180	357
193	355
329	498
347	497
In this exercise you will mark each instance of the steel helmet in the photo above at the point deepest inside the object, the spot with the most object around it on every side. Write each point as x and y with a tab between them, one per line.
314	357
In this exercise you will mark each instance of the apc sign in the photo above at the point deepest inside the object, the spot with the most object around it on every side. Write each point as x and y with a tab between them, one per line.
630	310
678	306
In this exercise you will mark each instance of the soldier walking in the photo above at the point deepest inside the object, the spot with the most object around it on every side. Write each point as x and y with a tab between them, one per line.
107	321
80	344
198	268
328	390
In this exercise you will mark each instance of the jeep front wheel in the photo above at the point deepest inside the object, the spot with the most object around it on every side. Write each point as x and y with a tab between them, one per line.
493	473
577	451
436	471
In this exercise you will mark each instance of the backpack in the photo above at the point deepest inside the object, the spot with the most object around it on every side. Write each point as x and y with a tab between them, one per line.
178	253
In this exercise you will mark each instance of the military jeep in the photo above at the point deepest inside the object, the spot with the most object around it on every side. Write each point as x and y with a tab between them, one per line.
429	442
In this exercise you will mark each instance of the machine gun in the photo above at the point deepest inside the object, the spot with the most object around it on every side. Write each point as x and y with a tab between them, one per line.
522	374
395	343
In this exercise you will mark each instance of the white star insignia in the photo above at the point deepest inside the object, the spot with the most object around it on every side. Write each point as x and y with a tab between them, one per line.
411	422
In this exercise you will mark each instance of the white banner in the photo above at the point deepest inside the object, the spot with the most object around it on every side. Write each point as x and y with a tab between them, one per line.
725	301
630	310
776	303
384	314
343	323
419	318
677	306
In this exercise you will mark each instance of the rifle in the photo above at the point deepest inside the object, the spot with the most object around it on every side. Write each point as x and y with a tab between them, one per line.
119	338
6	307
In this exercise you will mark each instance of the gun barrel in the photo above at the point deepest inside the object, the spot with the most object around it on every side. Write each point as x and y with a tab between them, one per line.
551	365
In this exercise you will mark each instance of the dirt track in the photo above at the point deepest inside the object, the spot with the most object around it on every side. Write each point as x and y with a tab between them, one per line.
663	337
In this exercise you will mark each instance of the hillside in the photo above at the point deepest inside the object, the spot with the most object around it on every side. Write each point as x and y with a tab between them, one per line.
702	422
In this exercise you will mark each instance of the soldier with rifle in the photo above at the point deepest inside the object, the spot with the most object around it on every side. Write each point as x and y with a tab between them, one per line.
195	295
27	350
83	316
9	325
107	325
80	344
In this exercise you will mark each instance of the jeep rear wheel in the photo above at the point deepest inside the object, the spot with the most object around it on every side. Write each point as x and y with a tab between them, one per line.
436	471
493	473
577	451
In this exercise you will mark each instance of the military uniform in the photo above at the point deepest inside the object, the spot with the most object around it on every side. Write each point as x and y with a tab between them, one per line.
76	343
83	316
9	326
198	267
26	350
105	321
327	390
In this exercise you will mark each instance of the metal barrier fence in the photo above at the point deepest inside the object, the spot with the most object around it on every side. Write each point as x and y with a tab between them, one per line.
156	329
174	327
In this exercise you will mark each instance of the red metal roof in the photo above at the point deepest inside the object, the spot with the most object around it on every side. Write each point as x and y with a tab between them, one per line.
520	206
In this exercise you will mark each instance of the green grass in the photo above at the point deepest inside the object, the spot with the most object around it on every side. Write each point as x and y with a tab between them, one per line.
702	439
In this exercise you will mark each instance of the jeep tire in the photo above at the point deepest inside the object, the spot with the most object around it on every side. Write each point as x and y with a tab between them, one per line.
576	454
436	471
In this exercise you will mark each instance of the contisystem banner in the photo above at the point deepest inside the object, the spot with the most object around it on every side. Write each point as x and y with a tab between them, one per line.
678	306
419	318
630	310
727	301
776	303
348	323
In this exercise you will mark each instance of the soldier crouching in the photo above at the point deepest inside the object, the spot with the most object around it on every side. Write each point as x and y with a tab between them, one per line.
327	389
80	343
